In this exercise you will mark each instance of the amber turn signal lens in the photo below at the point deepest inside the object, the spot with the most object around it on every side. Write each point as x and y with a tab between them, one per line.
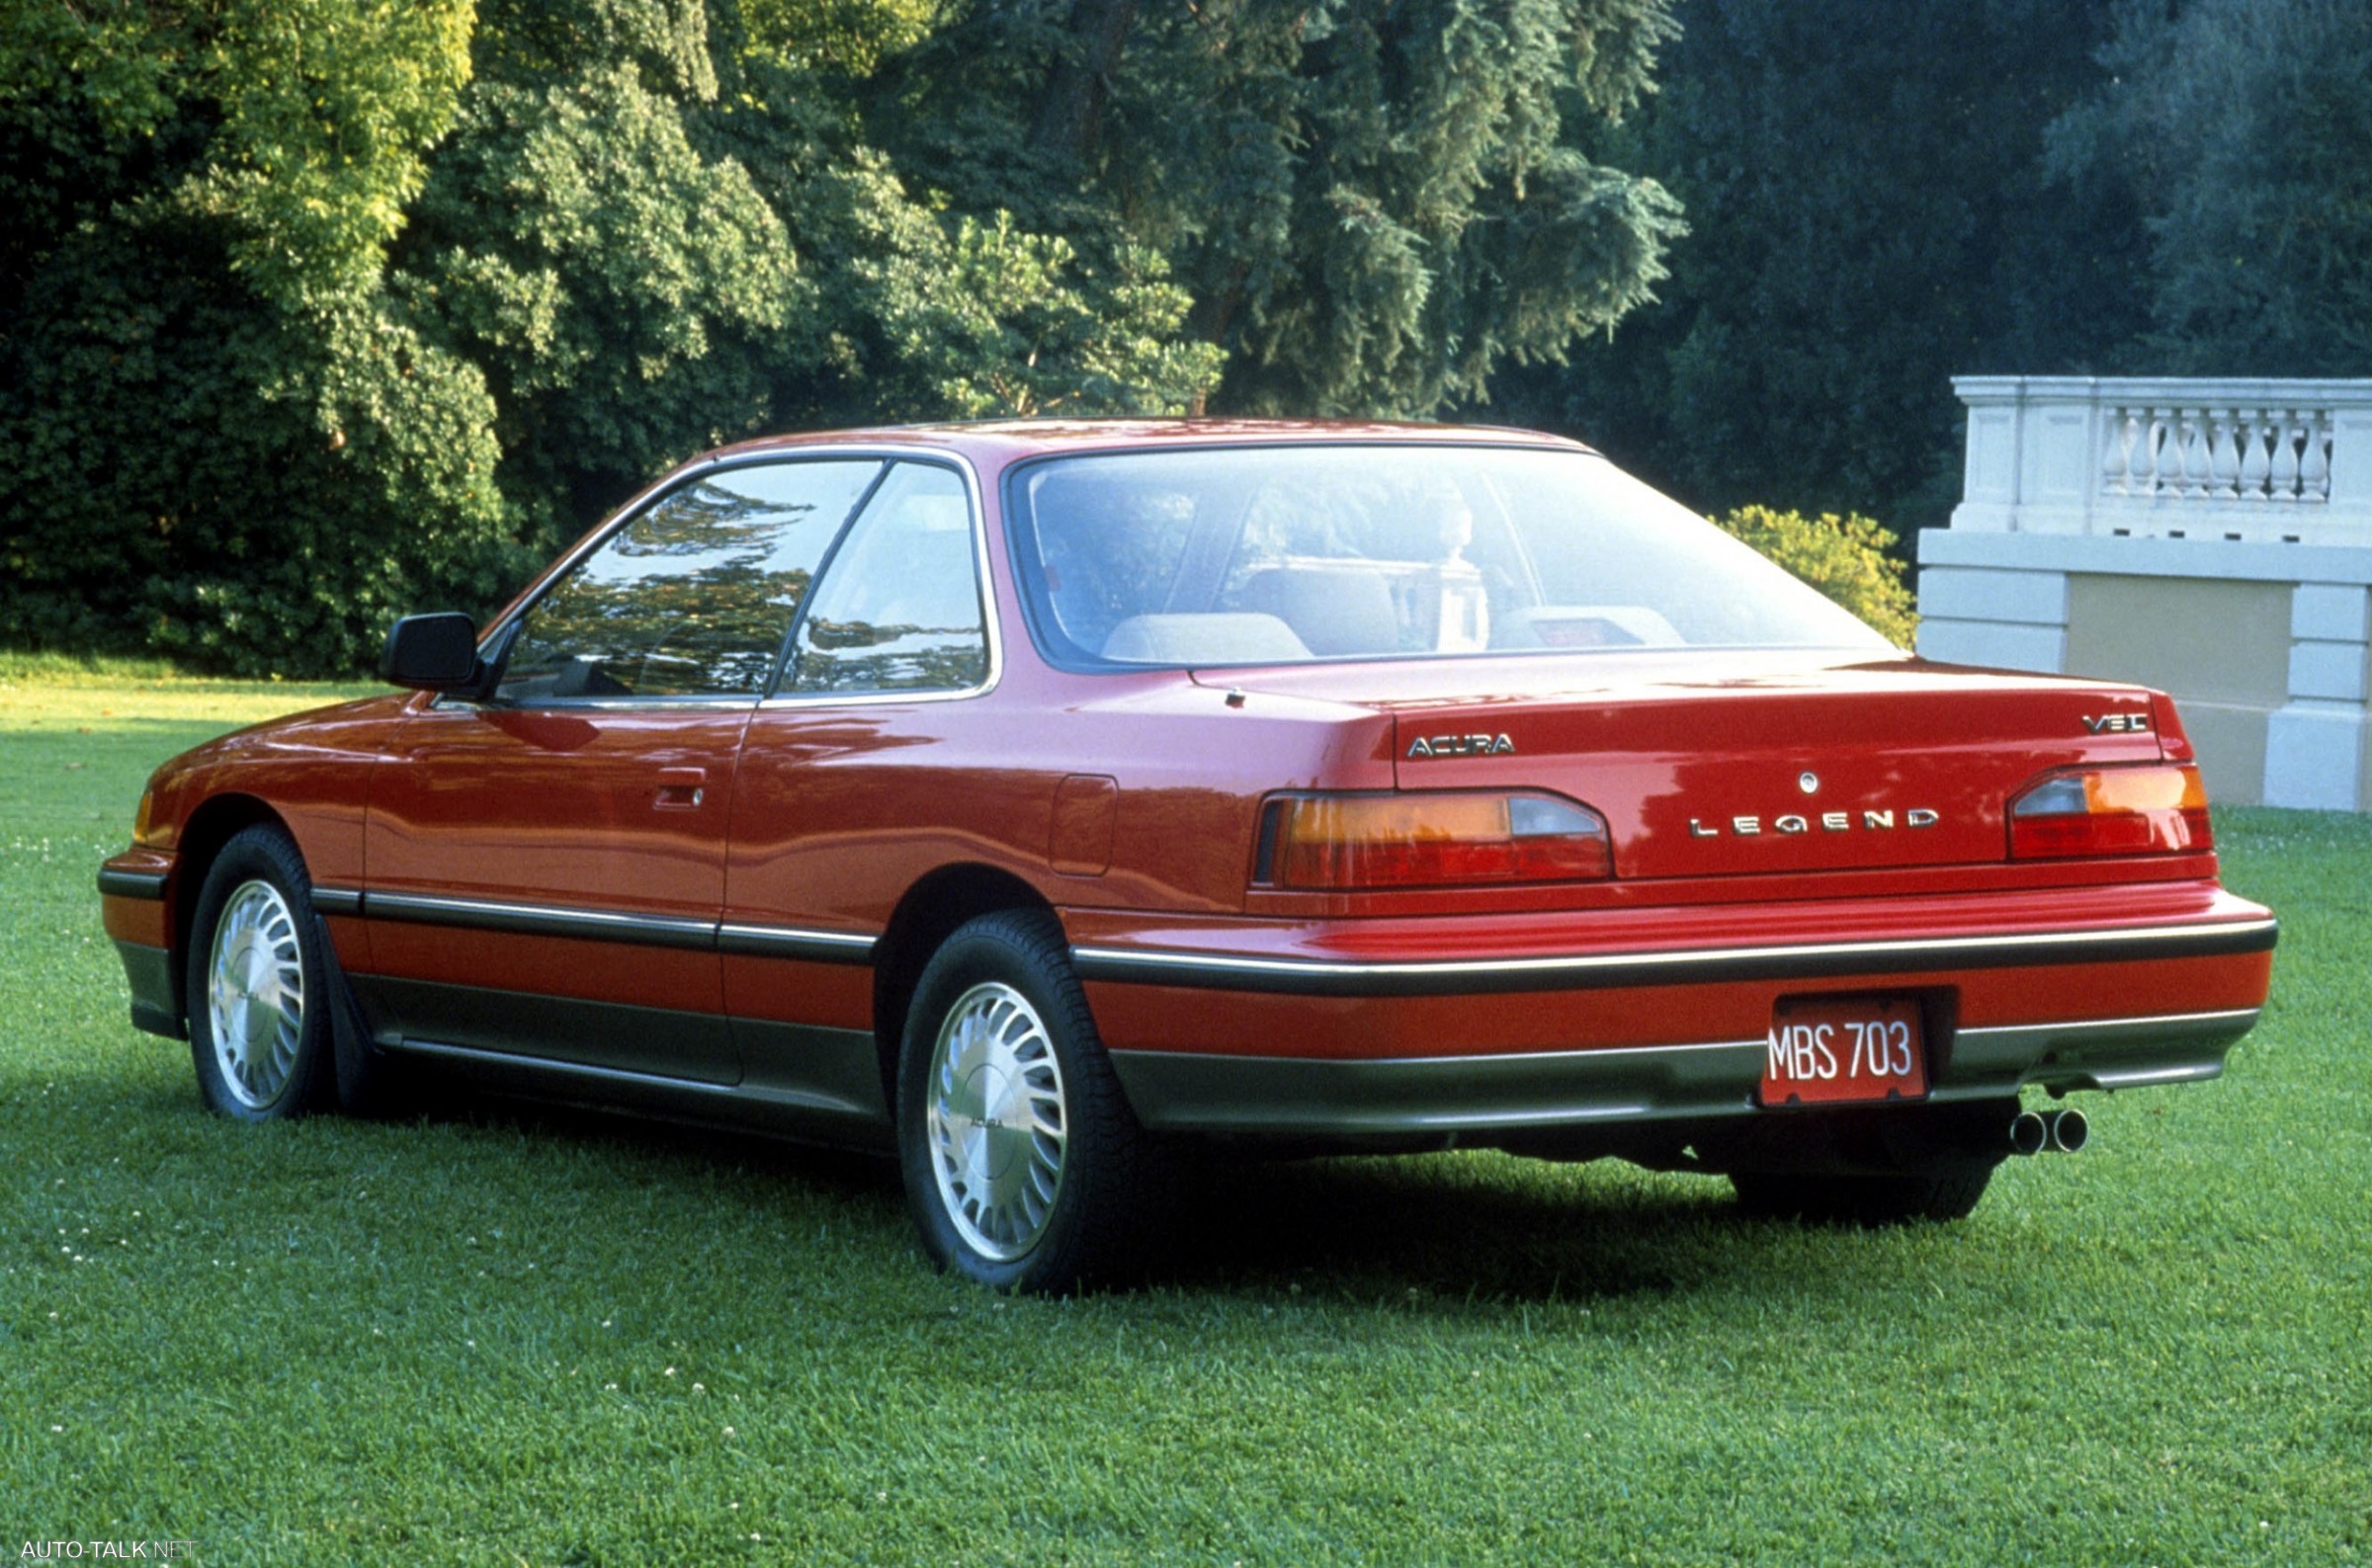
2154	810
1341	843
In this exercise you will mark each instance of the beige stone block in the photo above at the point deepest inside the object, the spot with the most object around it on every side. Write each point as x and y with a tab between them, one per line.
2204	639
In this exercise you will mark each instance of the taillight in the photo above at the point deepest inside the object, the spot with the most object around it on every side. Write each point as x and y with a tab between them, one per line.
1429	840
2152	810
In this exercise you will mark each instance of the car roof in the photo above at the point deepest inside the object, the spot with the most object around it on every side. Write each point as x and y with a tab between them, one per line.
996	442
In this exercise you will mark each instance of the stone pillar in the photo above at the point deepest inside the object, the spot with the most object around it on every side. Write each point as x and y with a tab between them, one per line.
2317	744
1988	615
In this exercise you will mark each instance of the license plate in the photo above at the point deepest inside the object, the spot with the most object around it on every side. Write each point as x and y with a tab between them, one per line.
1833	1049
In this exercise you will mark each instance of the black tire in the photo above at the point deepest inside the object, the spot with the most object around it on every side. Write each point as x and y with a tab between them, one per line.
980	1187
1944	1192
255	912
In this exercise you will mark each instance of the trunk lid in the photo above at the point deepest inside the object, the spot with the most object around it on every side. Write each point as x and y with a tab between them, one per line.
1713	763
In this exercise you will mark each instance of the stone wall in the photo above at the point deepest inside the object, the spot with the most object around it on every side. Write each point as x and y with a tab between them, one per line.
2210	538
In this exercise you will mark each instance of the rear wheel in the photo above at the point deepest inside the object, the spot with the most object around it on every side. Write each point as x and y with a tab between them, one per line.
259	996
1024	1168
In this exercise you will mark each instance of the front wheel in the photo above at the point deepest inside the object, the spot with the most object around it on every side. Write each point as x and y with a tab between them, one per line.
1024	1168
259	995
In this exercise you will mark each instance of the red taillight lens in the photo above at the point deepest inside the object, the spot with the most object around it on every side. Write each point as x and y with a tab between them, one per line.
2111	811
1347	842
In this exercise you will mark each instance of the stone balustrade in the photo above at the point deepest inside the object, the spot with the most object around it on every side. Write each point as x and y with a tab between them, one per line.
2287	462
2209	538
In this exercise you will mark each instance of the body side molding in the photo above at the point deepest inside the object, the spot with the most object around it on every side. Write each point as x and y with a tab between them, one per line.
551	920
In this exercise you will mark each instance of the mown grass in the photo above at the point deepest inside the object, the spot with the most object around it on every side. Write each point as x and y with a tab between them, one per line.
508	1338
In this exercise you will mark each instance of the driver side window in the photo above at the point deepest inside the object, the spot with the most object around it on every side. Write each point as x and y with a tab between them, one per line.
691	598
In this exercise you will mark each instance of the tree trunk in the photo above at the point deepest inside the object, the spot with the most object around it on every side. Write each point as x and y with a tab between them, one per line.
1072	110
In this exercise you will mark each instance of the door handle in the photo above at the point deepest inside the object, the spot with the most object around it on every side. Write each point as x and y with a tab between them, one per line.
680	788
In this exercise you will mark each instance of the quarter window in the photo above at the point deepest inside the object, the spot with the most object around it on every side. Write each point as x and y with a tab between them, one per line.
899	606
694	597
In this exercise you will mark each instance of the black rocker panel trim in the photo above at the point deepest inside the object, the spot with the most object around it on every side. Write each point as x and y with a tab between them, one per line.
792	1078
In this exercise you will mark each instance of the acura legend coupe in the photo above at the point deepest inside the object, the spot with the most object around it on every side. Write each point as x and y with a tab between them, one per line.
1061	803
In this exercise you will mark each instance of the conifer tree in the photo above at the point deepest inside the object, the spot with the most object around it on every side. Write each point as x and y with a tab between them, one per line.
1374	207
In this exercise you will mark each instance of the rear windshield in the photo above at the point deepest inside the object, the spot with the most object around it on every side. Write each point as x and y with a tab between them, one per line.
1288	554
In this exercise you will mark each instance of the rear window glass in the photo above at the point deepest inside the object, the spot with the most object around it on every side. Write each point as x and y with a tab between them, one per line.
1288	554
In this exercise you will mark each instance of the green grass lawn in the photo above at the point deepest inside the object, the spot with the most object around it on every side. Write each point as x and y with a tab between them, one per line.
507	1337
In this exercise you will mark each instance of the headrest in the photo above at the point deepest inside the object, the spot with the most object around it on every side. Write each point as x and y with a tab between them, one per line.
1203	639
1335	611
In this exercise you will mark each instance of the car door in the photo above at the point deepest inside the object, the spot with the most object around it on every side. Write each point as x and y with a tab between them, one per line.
854	787
545	869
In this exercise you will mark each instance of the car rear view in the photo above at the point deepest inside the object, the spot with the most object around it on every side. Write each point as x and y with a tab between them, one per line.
1633	846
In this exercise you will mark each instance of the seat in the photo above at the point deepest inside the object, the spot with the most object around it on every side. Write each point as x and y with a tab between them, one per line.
1234	639
1335	610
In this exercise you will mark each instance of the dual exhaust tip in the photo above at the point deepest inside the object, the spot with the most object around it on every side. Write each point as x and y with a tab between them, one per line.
2033	1131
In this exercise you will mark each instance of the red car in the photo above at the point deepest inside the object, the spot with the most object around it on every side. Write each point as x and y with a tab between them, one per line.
1051	801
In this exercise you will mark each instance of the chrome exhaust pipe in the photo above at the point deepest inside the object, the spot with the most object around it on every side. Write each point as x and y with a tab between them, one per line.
2069	1131
2028	1133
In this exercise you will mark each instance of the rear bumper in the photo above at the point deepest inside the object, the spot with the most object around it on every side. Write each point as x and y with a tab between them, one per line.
1286	1038
1299	1097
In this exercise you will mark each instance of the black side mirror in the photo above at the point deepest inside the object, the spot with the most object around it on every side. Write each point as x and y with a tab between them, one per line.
435	653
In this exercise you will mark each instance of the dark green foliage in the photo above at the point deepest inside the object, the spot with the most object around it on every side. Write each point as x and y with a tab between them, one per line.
1882	197
239	487
2242	130
239	425
625	296
1868	218
219	438
1373	206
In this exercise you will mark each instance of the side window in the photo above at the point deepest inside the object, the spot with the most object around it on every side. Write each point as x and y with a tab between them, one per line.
900	609
694	597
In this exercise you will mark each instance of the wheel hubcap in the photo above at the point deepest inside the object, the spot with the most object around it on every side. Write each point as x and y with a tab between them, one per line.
996	1120
255	994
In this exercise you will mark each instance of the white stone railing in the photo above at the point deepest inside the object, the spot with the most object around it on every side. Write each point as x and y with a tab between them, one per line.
2276	460
2209	538
2167	452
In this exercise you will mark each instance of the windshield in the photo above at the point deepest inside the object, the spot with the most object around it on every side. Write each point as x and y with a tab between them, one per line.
1287	554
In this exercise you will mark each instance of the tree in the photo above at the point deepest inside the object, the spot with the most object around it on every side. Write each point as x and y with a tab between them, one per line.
1868	218
417	289
219	438
2242	131
625	296
1373	208
926	306
321	312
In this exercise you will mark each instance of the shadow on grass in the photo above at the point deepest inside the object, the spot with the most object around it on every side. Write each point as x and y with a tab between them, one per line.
1477	1227
1489	1227
1447	1232
694	1152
